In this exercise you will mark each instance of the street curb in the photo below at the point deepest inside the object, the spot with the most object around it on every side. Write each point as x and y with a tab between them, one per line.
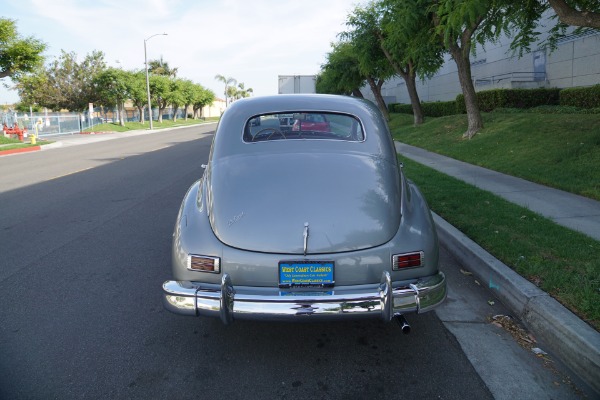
572	340
20	150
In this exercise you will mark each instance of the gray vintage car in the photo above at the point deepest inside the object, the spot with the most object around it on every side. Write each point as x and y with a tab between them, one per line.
303	213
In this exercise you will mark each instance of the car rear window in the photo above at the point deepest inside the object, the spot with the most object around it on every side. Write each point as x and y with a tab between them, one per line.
303	125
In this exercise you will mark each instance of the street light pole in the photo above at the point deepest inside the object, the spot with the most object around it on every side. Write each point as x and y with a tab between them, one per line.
148	79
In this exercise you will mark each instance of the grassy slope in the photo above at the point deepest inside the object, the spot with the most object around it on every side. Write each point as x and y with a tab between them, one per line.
539	147
557	150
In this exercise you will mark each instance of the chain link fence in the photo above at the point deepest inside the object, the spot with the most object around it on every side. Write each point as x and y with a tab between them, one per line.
51	123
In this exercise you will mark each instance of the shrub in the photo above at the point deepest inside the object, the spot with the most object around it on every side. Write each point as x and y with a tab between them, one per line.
511	98
439	108
542	100
434	109
584	97
400	108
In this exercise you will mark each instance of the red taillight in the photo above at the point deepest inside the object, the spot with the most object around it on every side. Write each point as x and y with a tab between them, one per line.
407	260
204	263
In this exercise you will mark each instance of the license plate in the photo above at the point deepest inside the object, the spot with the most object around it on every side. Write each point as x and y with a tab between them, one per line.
306	273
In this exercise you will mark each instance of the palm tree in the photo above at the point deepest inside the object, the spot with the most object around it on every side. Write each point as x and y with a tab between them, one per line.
161	67
228	82
242	91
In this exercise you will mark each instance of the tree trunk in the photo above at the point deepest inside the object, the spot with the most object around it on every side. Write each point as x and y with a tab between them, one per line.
409	76
411	87
186	111
141	111
357	93
121	116
461	57
160	113
376	89
175	113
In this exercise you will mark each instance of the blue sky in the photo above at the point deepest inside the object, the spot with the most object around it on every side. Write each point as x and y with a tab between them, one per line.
253	41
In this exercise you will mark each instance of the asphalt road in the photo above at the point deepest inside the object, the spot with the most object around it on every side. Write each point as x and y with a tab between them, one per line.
84	249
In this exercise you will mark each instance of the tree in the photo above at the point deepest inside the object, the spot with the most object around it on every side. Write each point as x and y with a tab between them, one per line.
136	87
112	89
188	94
241	91
341	72
231	93
64	84
160	92
202	97
161	67
372	62
458	26
228	82
18	55
26	108
176	97
404	40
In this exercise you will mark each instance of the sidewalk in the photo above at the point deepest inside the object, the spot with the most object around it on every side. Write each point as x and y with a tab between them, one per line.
572	340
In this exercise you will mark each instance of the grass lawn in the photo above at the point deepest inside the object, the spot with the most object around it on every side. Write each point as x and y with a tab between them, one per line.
562	151
556	150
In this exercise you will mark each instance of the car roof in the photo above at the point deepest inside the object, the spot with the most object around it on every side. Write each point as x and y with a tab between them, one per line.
229	136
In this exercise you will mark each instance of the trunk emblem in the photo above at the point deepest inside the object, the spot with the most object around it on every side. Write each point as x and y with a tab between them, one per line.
305	237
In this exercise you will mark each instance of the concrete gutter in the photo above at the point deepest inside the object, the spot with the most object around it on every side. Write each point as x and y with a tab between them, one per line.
572	340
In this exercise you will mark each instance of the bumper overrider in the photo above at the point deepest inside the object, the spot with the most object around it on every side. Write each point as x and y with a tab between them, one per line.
367	301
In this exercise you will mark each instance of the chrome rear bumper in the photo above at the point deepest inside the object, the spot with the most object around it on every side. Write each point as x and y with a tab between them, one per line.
370	301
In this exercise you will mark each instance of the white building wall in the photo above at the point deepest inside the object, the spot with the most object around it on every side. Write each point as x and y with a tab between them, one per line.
576	62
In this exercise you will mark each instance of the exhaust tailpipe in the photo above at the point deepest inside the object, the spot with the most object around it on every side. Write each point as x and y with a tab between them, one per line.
403	323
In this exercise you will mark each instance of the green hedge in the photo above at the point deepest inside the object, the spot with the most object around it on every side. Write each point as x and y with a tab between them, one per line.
587	97
439	108
434	109
511	98
400	108
535	99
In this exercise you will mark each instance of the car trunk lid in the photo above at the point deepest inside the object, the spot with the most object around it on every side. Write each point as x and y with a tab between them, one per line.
263	202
